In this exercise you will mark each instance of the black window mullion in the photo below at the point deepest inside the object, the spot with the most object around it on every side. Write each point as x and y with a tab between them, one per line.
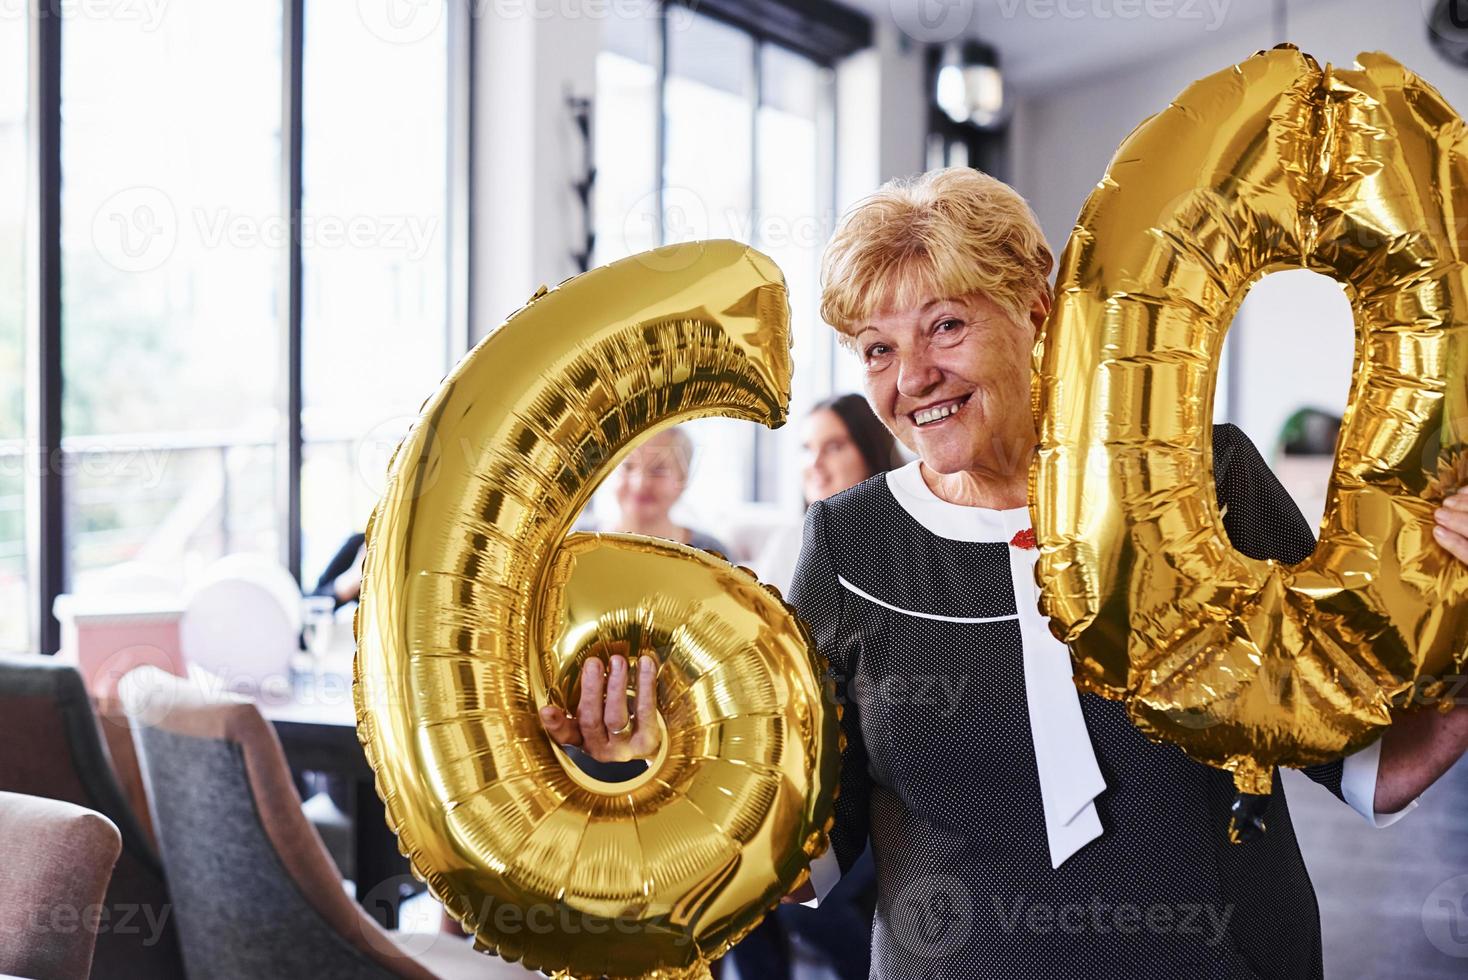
660	153
46	501
288	470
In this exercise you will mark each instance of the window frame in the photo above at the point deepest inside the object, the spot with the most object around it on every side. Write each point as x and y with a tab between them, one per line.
820	32
45	483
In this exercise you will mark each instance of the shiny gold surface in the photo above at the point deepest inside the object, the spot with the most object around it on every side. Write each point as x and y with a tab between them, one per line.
477	609
1275	163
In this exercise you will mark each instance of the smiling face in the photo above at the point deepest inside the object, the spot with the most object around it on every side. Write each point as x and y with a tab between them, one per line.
650	480
951	380
832	460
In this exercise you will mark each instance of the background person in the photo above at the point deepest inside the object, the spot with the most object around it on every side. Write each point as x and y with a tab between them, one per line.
647	485
342	578
843	443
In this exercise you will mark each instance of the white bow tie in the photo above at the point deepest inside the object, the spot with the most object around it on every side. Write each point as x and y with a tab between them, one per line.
1070	780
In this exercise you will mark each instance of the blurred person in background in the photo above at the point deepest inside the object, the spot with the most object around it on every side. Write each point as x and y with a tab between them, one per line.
843	443
342	579
646	486
648	483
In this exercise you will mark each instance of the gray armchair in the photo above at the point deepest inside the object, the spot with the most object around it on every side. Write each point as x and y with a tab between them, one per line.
257	894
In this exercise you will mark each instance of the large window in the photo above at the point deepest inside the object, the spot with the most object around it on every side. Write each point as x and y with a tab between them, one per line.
171	256
708	192
14	594
746	153
375	220
625	134
183	357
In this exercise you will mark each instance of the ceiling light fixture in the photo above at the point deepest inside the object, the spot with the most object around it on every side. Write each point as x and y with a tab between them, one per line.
970	87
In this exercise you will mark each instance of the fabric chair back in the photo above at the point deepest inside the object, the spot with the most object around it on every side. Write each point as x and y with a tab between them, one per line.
258	894
53	882
51	746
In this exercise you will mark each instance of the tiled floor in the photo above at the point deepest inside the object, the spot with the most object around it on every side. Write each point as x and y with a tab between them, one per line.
1394	901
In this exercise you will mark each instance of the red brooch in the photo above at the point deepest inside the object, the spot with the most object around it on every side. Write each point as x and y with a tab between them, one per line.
1023	539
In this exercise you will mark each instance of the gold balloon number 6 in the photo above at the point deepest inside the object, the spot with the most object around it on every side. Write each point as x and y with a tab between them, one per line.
477	610
1273	163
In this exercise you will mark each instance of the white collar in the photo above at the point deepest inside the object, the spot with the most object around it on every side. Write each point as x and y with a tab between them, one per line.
1065	760
953	521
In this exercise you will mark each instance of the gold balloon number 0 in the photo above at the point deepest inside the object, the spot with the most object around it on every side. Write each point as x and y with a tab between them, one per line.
477	609
1274	163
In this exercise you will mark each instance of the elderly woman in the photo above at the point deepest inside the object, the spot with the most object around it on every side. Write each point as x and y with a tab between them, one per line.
650	481
1019	827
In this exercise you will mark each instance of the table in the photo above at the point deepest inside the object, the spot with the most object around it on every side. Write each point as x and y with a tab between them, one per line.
318	731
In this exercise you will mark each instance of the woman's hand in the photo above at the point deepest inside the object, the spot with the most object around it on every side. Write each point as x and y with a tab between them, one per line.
1452	525
600	726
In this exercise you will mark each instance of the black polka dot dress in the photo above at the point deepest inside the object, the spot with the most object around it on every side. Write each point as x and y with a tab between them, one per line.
924	629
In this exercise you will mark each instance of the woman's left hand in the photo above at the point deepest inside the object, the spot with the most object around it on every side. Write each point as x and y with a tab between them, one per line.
1452	525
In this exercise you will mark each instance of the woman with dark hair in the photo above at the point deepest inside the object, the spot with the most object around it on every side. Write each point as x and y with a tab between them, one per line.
843	443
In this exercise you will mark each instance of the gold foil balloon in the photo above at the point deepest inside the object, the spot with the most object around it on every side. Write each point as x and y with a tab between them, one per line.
477	610
1275	163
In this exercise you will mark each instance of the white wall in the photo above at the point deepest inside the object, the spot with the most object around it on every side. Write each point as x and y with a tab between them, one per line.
1294	331
528	153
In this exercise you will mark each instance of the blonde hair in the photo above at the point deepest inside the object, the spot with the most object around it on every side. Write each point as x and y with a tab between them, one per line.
942	234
